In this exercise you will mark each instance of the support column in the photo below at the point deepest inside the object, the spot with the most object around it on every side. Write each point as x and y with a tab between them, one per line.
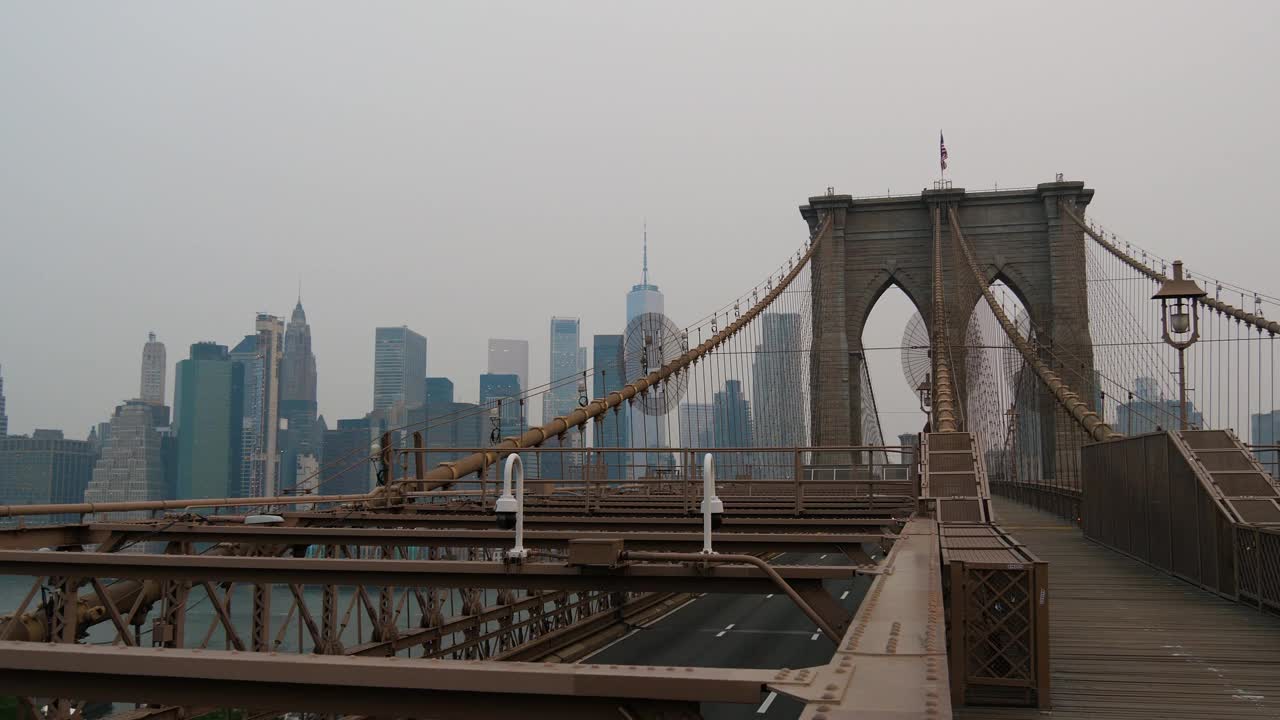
330	640
62	613
261	641
835	415
168	630
1068	322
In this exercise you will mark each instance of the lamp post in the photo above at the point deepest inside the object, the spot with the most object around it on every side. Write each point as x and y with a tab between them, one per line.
1180	322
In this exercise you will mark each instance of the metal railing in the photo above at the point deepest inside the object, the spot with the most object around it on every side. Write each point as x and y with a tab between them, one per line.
1061	501
1257	555
750	479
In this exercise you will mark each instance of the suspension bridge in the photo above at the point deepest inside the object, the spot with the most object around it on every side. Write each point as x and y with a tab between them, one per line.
1079	528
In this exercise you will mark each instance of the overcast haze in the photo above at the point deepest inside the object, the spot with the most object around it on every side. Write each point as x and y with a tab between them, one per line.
472	169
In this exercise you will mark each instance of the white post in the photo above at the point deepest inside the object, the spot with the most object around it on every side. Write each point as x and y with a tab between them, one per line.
710	503
510	503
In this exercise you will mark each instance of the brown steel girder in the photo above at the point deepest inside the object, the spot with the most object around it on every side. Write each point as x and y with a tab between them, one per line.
633	577
466	538
380	686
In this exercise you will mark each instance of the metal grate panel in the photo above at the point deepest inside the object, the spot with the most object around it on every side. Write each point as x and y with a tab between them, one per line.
1257	511
1244	484
953	485
950	462
950	441
959	511
1216	461
1208	439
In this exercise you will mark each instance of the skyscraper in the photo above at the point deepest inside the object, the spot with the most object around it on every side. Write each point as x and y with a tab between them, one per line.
345	466
777	392
1264	431
645	297
264	408
614	428
153	371
131	464
439	394
562	396
245	354
1149	410
297	397
4	419
298	371
510	357
733	430
209	413
399	368
504	388
44	468
697	427
457	425
646	430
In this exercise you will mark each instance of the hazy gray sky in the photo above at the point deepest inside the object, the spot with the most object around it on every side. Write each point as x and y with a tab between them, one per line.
471	169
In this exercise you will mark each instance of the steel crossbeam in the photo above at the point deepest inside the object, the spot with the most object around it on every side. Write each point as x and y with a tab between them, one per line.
631	577
388	686
756	523
456	538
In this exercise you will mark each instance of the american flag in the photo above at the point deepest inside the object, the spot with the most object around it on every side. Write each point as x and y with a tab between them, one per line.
942	144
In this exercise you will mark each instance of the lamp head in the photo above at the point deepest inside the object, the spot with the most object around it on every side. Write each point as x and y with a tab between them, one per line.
505	512
1179	318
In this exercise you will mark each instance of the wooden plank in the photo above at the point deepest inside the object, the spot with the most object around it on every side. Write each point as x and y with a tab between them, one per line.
1128	641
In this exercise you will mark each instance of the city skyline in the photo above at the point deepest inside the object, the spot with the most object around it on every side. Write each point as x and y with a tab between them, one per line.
575	242
500	459
133	239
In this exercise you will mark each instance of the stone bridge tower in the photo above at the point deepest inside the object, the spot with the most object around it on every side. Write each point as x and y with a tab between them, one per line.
1018	236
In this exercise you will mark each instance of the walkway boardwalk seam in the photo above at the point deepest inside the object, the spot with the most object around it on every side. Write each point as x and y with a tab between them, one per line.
1128	641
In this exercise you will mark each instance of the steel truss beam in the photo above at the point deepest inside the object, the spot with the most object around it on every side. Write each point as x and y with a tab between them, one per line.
581	522
466	538
638	577
400	528
391	686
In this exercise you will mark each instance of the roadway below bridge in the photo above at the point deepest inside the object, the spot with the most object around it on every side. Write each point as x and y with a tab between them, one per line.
741	631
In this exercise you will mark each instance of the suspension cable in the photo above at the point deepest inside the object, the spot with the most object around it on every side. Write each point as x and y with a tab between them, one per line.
450	472
1070	401
1256	321
944	394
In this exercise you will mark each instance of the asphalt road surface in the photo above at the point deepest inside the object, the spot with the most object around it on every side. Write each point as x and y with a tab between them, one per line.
740	631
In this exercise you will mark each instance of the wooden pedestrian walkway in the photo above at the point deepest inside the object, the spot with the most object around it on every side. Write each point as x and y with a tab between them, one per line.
1128	641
